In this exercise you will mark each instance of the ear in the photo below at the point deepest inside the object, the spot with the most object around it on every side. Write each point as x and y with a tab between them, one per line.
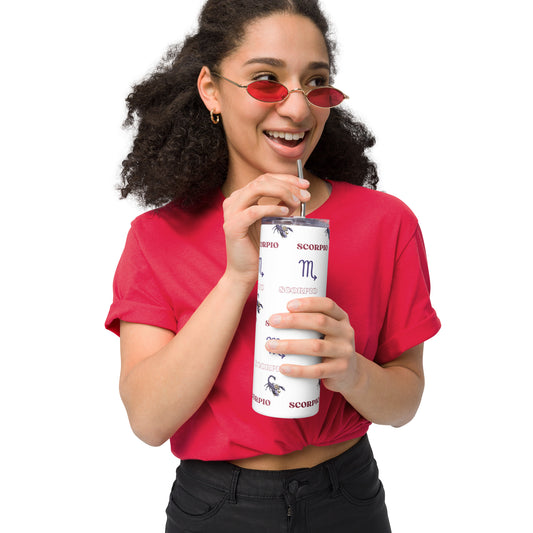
208	90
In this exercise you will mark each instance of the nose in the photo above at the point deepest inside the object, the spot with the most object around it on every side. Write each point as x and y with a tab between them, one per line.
295	106
299	89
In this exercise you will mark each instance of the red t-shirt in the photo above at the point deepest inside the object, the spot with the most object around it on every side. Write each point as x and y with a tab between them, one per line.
377	273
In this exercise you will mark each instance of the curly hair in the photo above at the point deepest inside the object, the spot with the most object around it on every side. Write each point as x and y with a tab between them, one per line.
177	153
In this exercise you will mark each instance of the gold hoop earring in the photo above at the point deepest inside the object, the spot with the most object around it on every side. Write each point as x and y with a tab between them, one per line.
215	119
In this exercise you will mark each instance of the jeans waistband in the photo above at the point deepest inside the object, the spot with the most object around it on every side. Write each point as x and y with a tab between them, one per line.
274	483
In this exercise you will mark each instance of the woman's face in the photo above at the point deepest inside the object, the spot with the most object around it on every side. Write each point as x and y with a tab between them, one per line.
289	49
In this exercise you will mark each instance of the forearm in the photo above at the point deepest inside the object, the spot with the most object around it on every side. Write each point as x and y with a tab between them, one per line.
165	378
162	391
389	394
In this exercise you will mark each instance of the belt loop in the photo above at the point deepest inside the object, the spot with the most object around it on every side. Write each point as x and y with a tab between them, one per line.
233	485
333	477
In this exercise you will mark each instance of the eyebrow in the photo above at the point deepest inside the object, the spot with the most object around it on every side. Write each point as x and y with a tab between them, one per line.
273	62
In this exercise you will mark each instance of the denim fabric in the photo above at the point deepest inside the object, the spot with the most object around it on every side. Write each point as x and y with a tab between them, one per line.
340	495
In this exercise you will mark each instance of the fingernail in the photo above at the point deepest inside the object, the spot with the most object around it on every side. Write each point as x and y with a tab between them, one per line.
305	195
284	209
286	370
294	305
275	319
272	344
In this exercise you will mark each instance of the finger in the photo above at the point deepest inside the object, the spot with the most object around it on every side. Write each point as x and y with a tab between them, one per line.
238	225
328	369
285	188
267	189
324	324
328	348
317	304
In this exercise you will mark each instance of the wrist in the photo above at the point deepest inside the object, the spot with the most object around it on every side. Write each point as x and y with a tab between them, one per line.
359	382
237	284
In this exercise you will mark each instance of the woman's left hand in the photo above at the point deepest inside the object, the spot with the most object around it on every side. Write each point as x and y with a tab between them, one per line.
338	369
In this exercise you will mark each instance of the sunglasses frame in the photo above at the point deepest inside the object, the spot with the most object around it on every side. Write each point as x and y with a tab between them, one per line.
305	93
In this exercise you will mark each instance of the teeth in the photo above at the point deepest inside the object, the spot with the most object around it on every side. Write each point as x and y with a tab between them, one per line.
286	136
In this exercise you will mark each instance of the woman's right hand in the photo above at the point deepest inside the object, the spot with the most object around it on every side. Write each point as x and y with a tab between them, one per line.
269	195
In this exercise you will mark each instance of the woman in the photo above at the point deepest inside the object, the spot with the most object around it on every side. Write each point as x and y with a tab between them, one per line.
218	152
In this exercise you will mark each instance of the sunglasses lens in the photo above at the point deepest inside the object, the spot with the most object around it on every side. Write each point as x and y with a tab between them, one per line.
325	97
272	91
267	91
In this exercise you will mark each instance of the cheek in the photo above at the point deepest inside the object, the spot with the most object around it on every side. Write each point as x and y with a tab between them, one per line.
321	117
243	119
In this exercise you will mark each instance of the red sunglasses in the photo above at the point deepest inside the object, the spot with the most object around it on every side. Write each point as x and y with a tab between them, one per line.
273	92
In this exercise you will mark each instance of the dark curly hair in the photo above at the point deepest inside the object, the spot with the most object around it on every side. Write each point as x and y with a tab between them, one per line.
179	155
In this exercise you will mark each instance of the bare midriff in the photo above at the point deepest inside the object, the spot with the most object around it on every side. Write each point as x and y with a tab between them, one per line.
305	458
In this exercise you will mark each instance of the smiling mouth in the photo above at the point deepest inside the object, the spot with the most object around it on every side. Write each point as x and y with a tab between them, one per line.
285	138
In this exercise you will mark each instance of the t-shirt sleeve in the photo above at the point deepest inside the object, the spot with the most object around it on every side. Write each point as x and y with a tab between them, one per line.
410	319
137	294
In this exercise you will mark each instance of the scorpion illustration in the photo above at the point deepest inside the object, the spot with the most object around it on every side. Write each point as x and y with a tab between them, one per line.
274	387
282	230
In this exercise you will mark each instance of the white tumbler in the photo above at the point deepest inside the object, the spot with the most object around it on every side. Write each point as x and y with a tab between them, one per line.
293	263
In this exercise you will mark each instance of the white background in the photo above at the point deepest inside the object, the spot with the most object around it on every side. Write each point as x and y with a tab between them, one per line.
446	88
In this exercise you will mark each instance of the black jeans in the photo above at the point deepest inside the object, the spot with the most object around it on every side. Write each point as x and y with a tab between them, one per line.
341	495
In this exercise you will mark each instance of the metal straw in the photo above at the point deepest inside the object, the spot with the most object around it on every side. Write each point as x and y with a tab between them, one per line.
301	176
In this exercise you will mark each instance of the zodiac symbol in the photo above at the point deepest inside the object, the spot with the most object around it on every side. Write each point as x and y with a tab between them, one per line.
282	230
307	269
274	387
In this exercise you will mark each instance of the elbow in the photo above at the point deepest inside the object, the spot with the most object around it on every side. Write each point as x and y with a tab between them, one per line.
147	430
149	435
407	415
412	404
144	424
403	422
